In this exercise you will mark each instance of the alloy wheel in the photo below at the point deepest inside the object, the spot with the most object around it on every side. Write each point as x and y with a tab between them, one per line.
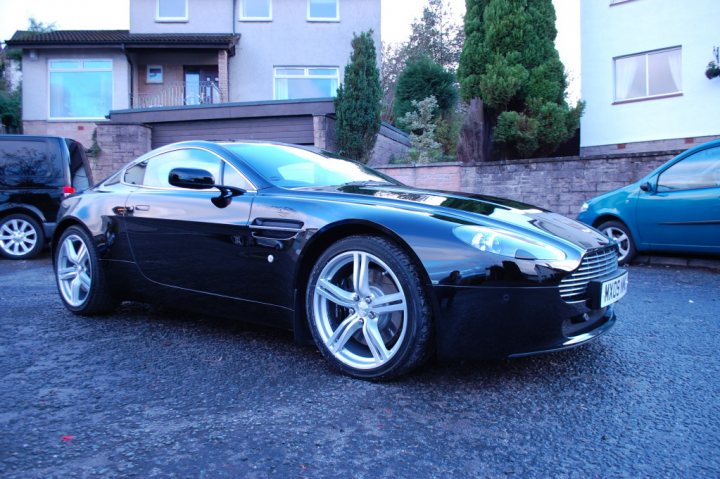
622	239
74	270
18	237
360	310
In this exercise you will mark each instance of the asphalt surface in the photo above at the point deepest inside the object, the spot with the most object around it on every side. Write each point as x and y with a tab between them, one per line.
152	392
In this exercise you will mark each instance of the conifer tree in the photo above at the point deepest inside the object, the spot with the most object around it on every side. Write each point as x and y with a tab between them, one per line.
357	105
509	61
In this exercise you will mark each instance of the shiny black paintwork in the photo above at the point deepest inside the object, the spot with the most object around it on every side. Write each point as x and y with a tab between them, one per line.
251	259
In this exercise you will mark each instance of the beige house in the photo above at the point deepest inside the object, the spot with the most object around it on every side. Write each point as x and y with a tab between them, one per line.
188	52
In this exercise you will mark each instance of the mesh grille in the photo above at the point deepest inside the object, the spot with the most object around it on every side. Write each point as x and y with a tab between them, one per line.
595	265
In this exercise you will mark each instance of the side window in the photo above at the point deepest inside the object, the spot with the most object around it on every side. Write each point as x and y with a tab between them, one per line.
156	170
29	163
231	177
701	170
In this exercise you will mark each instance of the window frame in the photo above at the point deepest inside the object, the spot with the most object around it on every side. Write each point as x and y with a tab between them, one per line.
306	75
147	74
647	96
160	19
244	18
224	164
51	70
310	18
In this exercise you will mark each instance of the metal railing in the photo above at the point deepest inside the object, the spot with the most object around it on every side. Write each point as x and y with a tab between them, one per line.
179	94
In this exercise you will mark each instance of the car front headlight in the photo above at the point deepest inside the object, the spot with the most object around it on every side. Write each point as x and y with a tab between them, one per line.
507	243
584	207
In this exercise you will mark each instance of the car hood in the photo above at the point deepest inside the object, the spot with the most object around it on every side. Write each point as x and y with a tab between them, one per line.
487	210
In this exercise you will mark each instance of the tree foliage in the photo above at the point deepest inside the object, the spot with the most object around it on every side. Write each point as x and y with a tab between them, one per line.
435	35
509	60
357	105
423	78
424	146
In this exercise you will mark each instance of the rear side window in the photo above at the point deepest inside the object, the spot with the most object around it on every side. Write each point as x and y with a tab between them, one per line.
30	163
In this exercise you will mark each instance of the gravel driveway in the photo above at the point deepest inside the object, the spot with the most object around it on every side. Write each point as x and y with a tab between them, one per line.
152	392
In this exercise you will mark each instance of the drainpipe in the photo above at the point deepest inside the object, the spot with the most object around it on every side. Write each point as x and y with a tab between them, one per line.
234	4
132	74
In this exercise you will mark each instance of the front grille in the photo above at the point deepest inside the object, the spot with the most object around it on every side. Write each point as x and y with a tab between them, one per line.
595	265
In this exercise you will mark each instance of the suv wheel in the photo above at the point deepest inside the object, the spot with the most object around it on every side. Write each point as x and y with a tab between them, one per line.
21	237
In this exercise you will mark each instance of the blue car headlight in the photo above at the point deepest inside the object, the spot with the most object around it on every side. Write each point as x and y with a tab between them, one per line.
584	207
507	243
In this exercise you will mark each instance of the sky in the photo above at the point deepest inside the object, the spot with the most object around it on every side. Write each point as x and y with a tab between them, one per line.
397	15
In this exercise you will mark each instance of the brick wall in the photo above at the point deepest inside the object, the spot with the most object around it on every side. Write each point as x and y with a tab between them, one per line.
558	184
76	130
119	144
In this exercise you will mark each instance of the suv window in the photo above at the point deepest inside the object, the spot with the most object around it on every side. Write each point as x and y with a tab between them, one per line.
701	170
29	163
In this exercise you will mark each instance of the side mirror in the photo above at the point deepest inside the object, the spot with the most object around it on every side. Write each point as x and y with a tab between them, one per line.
646	187
197	179
192	178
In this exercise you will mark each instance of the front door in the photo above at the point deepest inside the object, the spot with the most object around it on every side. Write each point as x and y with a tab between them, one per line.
201	85
683	212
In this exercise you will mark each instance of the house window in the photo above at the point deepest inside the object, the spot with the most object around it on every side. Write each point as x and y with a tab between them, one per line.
172	11
154	74
255	10
80	88
324	10
292	83
648	75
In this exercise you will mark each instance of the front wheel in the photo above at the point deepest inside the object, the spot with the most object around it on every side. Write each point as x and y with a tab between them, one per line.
621	234
21	237
79	276
367	309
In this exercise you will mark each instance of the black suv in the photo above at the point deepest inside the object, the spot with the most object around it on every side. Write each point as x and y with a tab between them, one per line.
36	173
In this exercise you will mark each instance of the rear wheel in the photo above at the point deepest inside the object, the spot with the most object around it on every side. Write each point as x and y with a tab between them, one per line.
21	237
368	312
621	234
79	275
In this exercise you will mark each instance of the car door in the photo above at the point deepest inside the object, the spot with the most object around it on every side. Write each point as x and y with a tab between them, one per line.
178	237
682	209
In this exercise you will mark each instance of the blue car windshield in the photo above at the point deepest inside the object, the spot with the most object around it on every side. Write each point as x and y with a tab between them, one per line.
292	167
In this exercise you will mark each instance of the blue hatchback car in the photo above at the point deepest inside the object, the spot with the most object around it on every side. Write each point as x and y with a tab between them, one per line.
676	208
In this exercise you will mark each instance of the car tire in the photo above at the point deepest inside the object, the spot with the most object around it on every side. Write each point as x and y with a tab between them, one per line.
21	237
367	310
79	275
620	233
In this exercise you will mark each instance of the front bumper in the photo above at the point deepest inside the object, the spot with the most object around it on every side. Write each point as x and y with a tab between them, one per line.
500	322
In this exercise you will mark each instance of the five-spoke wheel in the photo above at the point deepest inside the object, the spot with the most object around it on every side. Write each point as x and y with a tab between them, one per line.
621	234
367	309
21	237
79	275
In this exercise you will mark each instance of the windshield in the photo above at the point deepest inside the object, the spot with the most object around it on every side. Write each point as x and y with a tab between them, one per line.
292	167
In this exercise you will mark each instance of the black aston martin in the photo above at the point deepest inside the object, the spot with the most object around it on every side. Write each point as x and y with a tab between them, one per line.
379	275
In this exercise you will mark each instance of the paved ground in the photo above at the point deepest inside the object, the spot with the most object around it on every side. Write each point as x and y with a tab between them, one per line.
155	393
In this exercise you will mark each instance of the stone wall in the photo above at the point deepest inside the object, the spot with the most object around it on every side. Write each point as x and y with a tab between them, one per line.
77	130
558	184
119	144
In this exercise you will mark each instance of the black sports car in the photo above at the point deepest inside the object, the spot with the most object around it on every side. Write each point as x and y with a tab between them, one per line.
380	275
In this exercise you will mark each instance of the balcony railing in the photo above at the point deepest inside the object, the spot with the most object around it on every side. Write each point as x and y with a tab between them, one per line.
180	94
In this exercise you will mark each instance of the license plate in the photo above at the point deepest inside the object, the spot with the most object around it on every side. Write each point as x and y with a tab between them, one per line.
613	290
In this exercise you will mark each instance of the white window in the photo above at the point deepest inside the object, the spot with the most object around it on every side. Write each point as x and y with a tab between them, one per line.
172	11
255	10
154	74
648	75
324	10
293	83
80	88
